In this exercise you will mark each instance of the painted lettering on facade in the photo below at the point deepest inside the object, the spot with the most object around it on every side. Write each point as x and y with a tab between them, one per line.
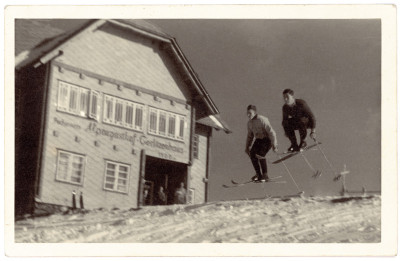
92	127
160	145
125	135
66	124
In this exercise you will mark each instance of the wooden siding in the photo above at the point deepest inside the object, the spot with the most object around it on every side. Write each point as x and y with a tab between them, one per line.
63	136
198	171
125	56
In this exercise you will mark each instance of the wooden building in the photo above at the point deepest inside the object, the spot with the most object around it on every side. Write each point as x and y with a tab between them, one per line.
108	113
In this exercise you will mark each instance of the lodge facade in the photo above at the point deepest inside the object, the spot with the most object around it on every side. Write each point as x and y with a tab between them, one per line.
110	112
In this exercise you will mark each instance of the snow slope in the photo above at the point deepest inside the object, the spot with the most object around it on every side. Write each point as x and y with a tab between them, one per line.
270	220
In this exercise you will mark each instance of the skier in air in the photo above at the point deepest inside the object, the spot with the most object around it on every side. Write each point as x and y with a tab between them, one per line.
297	115
259	127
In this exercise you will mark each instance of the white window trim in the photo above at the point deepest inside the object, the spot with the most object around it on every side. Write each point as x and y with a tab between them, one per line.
78	111
123	123
95	114
69	169
115	184
178	118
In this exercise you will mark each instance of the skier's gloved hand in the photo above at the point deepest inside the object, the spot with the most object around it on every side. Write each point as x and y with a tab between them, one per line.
313	135
275	148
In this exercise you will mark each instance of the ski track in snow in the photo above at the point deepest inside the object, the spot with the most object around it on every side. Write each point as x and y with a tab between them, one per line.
273	220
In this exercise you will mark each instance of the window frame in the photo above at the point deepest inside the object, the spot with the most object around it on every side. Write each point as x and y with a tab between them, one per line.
70	167
95	111
110	112
117	178
178	124
64	103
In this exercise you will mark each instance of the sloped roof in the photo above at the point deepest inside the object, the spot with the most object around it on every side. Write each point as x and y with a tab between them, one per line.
37	42
145	25
215	122
36	38
30	33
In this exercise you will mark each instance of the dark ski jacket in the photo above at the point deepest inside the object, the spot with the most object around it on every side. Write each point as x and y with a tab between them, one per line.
299	110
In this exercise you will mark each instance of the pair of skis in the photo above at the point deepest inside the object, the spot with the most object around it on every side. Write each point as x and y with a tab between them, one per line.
288	155
273	179
239	184
317	173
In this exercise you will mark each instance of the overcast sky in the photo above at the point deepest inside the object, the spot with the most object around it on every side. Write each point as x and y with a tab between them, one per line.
335	65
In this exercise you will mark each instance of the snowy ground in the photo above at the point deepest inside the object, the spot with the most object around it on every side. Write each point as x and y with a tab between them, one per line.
273	220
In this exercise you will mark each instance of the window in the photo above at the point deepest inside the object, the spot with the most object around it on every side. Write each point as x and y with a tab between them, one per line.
109	109
171	125
77	100
166	124
129	115
123	113
70	167
196	146
139	118
119	107
163	123
181	127
116	178
153	121
95	105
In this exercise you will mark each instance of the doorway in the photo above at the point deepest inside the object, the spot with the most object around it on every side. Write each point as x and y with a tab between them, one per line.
165	175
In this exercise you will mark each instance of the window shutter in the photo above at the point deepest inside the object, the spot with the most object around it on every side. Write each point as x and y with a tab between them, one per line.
108	109
181	127
63	96
171	125
163	123
129	114
84	102
73	99
119	108
139	117
94	112
153	121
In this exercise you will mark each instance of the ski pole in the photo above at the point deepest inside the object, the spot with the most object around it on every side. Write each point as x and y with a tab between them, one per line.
289	173
329	163
81	200
317	173
73	200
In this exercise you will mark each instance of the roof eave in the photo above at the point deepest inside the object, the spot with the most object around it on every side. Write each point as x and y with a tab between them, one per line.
23	60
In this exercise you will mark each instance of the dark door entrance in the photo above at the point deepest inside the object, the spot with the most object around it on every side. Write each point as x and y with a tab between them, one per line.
165	175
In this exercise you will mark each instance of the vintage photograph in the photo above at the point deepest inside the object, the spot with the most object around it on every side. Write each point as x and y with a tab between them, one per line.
188	130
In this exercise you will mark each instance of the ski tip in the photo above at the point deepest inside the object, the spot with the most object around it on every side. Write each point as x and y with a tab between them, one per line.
317	174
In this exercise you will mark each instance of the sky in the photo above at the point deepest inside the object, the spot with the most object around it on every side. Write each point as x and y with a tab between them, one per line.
334	65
